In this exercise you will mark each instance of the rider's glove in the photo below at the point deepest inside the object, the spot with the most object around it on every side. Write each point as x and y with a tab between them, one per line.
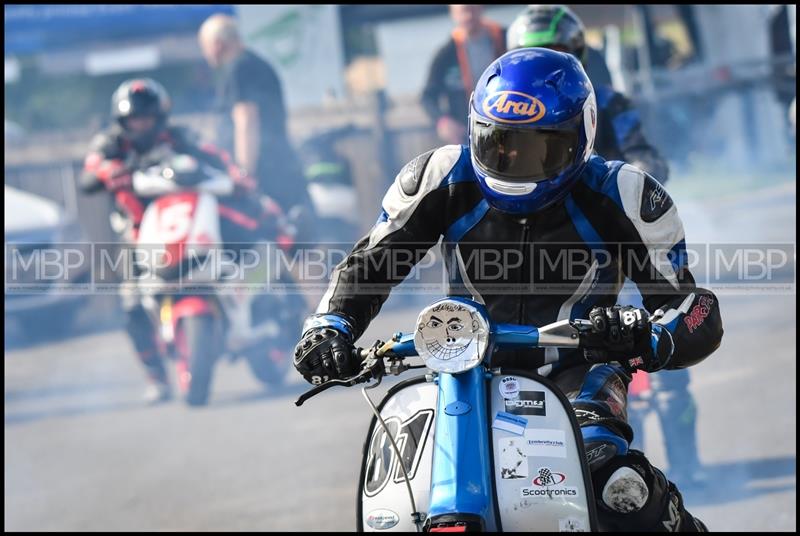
326	352
243	182
626	335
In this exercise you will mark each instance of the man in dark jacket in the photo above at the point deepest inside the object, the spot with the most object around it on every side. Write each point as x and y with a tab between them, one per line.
251	96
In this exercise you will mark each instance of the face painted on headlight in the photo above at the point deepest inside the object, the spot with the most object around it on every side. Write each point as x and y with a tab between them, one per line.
452	336
447	330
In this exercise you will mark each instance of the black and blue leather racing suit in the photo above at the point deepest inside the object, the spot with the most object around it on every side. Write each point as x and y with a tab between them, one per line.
551	265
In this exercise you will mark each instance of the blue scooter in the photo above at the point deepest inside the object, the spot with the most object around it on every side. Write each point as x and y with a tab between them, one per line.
469	447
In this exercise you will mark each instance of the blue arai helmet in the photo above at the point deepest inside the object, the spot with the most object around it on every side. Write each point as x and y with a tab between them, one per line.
532	125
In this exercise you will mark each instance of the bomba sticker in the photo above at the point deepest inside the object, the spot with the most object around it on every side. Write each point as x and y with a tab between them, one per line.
527	403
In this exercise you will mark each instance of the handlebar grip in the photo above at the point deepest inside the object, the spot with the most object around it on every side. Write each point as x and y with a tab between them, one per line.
371	370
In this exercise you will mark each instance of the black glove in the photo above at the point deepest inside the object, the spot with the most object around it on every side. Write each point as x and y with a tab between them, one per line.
626	335
325	354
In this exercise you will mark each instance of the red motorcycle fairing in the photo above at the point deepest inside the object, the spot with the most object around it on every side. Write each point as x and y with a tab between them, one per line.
191	306
175	218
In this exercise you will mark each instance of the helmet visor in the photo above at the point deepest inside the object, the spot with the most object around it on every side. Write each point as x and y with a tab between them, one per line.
525	155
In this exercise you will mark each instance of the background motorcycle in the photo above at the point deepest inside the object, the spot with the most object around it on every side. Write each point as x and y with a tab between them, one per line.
186	281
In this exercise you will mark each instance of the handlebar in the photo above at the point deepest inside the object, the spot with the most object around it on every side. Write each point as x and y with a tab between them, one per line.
561	334
158	180
373	367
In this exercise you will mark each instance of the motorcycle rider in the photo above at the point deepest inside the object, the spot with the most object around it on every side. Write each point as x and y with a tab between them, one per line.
527	187
620	137
140	130
619	128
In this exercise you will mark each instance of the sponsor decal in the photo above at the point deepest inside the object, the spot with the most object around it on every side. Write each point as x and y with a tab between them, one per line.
570	491
699	312
595	453
510	423
571	524
382	519
549	484
513	460
547	477
382	464
411	174
546	442
586	414
674	522
509	387
655	200
513	107
528	403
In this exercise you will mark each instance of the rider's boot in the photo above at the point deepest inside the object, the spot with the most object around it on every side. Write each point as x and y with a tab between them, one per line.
143	335
600	407
157	391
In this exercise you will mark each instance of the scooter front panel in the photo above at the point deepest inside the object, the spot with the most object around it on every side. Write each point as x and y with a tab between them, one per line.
409	411
541	479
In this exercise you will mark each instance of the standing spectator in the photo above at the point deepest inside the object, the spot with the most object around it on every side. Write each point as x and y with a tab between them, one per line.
250	89
474	43
784	66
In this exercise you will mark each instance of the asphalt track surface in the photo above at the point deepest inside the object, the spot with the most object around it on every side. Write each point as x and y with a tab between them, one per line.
83	453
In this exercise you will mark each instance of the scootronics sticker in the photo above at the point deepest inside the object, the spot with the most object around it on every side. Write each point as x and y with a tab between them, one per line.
527	403
510	423
546	442
513	460
549	484
509	387
382	519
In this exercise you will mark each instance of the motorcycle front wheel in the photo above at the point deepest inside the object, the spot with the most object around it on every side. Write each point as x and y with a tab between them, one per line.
196	339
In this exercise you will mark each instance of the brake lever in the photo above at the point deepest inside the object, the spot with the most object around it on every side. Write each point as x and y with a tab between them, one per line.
583	328
372	368
314	391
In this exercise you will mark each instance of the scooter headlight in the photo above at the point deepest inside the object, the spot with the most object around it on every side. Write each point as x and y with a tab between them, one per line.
451	336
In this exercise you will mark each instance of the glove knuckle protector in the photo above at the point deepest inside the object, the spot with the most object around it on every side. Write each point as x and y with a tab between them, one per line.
323	353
